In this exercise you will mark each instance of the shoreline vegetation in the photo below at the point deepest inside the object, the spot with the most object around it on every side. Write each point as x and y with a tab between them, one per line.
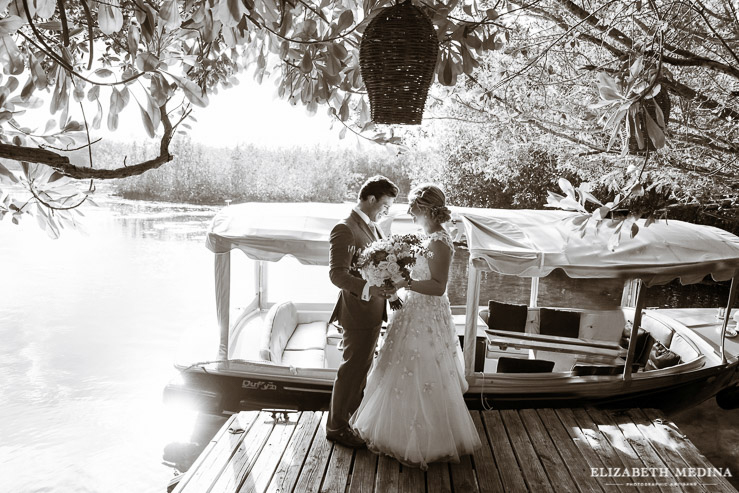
204	175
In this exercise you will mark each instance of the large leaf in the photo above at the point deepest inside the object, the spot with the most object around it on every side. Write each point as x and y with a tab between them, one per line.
346	19
10	57
147	62
10	24
656	135
98	116
6	175
192	91
148	124
134	36
169	13
110	18
45	8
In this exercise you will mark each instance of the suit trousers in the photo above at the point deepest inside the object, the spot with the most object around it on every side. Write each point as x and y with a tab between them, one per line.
351	377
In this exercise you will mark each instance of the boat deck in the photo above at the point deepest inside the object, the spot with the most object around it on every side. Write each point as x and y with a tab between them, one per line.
536	450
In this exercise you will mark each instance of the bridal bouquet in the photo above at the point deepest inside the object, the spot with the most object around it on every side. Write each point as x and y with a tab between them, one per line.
387	261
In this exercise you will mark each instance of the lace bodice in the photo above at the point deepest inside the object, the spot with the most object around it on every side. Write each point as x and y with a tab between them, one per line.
421	270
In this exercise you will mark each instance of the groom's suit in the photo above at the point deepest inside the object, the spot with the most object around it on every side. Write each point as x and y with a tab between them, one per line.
361	320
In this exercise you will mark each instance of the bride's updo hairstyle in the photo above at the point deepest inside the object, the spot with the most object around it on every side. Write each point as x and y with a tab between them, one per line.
430	198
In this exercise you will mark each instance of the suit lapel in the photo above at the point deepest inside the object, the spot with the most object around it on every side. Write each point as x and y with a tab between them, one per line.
363	226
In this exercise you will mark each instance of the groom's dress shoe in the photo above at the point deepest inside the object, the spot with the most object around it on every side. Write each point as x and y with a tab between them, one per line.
346	438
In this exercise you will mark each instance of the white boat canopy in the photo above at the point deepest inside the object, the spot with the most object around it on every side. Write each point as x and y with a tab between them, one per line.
526	243
532	243
269	231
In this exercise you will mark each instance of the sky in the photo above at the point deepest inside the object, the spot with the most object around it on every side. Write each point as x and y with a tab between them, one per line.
247	113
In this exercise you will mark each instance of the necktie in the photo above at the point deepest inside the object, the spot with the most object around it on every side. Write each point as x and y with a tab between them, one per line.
376	230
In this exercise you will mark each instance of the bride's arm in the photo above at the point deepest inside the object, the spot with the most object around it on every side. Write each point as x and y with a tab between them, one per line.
441	258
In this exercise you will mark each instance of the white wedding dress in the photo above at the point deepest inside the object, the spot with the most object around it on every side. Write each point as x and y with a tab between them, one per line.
413	408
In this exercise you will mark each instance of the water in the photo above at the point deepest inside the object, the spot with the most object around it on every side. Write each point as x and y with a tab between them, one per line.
89	325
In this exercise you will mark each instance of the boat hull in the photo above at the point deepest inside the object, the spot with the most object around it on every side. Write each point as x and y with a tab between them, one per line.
216	393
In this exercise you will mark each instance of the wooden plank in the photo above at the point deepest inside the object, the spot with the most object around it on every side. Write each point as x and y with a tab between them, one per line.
689	452
661	444
592	460
646	453
533	471
488	477
269	458
437	478
411	480
510	472
316	461
629	458
211	462
388	470
601	446
463	476
558	474
337	473
207	454
243	460
363	474
572	459
291	463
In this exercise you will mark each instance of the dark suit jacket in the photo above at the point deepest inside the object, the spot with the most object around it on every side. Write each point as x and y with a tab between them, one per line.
347	240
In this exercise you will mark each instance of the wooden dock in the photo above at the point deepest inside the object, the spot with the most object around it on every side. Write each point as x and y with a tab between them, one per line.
536	450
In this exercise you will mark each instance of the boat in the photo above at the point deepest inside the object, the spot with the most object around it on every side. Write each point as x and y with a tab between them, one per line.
271	346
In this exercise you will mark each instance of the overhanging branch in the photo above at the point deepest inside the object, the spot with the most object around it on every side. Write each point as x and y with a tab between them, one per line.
62	165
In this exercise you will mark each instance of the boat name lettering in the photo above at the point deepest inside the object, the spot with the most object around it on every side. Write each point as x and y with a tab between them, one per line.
258	385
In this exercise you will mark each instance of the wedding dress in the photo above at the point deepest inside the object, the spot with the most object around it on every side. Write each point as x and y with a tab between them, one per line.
413	408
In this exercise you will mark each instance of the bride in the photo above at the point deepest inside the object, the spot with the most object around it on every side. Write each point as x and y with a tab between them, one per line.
413	408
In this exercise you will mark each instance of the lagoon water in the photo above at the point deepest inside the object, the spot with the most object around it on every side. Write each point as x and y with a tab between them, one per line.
89	325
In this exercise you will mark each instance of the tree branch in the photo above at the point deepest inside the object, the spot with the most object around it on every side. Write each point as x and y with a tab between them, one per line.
62	165
689	93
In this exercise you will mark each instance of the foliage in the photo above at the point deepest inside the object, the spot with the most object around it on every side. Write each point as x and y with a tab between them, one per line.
528	70
625	98
51	196
248	173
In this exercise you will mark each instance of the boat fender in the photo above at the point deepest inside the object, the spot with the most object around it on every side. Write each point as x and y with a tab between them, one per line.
728	398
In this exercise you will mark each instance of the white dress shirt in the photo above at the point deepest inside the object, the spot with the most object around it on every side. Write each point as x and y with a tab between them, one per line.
365	291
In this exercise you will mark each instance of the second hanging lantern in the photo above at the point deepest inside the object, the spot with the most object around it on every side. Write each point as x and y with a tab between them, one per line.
397	60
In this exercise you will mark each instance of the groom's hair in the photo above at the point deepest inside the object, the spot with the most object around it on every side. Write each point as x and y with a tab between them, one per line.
379	186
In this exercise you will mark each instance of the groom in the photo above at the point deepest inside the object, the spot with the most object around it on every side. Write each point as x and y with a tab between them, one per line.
361	308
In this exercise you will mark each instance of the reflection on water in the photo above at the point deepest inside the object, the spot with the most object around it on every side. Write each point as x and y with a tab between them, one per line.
89	324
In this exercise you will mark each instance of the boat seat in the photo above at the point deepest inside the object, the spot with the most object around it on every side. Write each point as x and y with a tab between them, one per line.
521	365
659	330
505	316
644	342
286	341
559	322
681	347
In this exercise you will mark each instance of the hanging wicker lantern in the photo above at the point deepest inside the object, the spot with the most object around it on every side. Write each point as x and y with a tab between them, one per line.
397	60
661	99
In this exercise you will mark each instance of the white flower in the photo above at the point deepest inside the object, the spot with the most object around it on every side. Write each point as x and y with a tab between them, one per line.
393	268
396	278
392	258
382	265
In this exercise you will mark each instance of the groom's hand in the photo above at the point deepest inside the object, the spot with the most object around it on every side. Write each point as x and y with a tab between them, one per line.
381	291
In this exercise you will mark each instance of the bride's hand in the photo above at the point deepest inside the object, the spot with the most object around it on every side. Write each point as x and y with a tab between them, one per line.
401	284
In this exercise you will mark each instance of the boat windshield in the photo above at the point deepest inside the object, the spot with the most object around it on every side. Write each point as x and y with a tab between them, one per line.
288	279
